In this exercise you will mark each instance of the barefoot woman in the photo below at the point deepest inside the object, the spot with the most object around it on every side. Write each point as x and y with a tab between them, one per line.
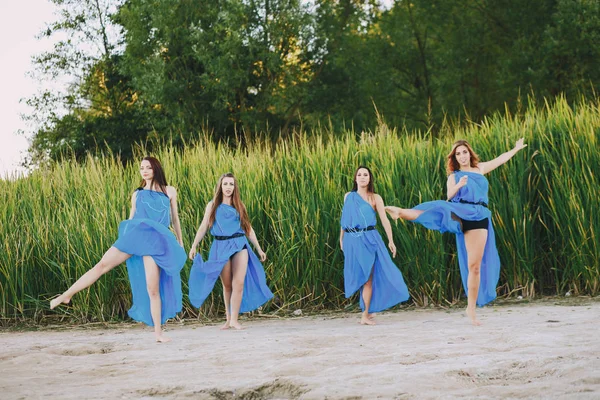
242	274
367	263
466	213
154	257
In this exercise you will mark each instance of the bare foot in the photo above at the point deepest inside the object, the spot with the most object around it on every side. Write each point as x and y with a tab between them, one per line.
59	300
393	211
162	339
371	316
225	326
366	321
236	325
471	314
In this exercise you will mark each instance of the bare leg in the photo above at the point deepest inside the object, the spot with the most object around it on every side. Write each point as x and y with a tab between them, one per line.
226	281
367	293
153	286
475	243
110	259
404	213
239	266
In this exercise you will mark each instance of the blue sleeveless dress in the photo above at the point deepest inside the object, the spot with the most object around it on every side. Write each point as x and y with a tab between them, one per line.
437	215
204	274
365	252
148	234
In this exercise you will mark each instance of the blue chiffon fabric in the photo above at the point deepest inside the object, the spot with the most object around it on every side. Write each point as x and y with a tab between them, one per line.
204	274
148	234
437	215
366	253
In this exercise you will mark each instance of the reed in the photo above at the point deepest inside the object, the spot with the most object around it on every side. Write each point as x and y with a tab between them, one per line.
57	222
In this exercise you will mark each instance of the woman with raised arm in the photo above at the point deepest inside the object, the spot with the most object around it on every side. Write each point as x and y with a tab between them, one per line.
154	256
230	257
368	266
466	214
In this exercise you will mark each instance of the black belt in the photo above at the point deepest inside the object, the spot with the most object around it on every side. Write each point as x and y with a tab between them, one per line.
356	230
235	235
479	203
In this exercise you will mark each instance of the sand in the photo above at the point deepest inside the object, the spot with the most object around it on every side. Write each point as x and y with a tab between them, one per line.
545	349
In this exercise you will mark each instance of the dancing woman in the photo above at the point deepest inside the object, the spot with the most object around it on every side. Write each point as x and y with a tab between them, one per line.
368	266
230	257
467	215
154	256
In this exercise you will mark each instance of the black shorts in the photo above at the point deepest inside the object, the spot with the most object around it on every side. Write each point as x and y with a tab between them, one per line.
470	225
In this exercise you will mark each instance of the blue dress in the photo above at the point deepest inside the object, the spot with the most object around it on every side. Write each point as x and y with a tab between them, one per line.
204	275
437	215
148	234
365	252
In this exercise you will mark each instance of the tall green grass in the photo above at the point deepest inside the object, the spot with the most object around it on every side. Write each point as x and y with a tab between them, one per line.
58	222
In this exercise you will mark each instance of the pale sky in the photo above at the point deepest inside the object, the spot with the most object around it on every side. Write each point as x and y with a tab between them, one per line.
20	22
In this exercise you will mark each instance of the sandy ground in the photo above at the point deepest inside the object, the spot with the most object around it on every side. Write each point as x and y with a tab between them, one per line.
548	349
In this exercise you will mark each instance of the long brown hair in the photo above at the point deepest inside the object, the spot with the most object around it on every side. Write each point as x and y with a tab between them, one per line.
236	202
452	165
370	186
158	177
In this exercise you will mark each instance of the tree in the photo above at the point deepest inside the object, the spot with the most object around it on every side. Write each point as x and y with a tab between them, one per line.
99	107
226	65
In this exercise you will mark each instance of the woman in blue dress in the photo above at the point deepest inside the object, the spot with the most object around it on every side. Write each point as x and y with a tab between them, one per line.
368	266
466	214
154	256
230	257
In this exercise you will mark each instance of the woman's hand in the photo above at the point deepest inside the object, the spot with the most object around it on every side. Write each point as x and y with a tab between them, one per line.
463	181
192	253
520	145
392	248
262	256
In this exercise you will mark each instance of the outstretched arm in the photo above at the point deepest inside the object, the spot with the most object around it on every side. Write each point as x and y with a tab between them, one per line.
202	229
252	237
489	166
380	207
175	214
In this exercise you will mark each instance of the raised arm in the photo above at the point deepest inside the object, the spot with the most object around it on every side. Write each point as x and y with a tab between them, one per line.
252	237
489	166
133	201
387	227
175	214
452	187
202	229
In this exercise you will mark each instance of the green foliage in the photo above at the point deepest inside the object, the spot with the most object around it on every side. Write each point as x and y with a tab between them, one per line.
58	222
238	68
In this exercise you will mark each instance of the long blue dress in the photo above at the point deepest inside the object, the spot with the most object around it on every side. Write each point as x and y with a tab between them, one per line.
204	275
366	253
437	215
148	234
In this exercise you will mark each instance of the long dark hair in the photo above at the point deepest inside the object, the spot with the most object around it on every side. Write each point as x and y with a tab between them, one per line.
452	165
370	186
158	178
236	202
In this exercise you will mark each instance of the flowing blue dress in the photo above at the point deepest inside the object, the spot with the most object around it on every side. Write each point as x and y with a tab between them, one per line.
437	215
366	253
148	234
204	274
